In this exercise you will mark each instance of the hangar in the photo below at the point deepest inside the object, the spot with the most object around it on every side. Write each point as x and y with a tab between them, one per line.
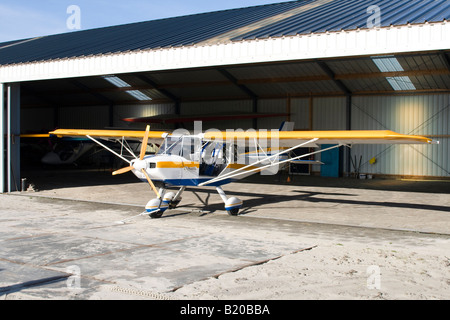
327	64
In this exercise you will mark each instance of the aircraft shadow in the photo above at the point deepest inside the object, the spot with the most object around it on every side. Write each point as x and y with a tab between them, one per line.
260	199
33	283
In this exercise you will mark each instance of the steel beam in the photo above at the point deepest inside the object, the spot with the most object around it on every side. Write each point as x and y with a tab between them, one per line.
2	138
13	137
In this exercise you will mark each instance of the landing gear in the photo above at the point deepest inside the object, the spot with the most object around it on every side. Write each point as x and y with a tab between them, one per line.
232	205
156	215
233	212
173	199
156	208
170	200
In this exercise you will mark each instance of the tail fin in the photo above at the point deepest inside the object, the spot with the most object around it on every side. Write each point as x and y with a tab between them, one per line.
287	126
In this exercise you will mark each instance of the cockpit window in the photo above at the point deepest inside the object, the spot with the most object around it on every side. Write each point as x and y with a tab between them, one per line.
180	146
169	146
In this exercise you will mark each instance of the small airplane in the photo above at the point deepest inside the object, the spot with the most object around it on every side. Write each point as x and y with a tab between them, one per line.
69	150
65	152
216	158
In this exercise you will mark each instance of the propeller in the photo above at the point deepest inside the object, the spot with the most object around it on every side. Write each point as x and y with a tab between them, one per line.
140	164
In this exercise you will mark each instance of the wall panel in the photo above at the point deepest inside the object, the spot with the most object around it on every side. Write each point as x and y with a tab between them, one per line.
215	107
414	114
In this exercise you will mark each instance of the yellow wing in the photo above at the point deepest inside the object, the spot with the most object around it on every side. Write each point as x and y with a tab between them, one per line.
285	138
292	138
34	135
108	133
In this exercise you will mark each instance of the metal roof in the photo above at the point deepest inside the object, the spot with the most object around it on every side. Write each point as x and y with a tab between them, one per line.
353	14
273	20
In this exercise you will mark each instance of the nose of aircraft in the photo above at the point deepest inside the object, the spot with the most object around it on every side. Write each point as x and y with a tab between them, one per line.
139	164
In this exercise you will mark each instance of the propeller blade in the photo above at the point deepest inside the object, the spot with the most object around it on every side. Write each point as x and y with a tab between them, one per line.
151	183
144	143
123	170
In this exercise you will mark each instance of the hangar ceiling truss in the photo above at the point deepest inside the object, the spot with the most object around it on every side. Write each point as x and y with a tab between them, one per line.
428	72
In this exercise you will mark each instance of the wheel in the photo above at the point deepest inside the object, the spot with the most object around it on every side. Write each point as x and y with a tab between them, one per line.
232	205
156	215
173	204
156	208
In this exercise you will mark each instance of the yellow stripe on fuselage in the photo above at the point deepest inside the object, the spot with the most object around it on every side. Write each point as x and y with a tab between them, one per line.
179	164
238	166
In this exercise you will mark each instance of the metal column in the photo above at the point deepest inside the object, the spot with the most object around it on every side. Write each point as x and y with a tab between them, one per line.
13	137
348	113
2	138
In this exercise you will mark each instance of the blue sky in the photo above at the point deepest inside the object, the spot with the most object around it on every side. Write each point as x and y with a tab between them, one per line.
21	19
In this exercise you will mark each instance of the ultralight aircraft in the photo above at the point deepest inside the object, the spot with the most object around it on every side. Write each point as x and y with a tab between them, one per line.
216	158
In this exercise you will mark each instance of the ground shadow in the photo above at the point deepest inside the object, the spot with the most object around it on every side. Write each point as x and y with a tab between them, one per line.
261	199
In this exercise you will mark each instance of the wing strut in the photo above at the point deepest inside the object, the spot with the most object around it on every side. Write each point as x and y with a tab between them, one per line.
227	175
234	174
109	149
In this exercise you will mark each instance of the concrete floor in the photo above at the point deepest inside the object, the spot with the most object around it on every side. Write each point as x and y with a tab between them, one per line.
64	242
380	203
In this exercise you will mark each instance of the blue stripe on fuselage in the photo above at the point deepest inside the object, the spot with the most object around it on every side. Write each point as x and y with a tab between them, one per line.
191	182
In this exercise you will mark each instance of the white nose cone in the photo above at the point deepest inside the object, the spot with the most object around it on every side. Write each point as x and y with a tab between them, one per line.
139	164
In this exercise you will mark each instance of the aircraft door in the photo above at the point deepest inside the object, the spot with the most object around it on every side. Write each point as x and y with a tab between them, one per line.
213	159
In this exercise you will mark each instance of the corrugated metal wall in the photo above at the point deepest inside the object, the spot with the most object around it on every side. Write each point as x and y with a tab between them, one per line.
84	118
427	115
271	106
329	113
211	107
415	114
300	113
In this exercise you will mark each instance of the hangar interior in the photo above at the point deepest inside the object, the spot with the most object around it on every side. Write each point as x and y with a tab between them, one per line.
385	89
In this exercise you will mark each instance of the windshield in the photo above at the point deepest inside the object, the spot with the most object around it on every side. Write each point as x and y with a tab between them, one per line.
180	146
169	145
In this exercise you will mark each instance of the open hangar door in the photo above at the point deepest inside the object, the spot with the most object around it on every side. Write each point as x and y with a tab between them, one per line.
407	93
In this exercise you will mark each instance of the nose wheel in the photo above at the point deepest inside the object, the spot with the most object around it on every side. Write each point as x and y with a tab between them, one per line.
156	208
169	200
